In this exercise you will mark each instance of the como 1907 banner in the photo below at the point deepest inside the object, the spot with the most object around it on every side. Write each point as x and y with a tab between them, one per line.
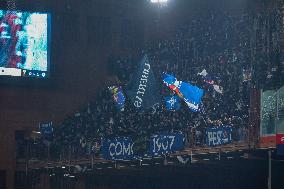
126	148
218	135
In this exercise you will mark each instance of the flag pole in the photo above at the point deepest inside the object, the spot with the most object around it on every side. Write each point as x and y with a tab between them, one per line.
269	169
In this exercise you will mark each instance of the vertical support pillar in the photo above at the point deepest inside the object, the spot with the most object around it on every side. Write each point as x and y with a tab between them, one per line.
269	169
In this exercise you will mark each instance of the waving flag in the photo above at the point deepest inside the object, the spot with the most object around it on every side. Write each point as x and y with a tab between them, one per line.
172	103
190	94
172	83
210	80
206	77
168	79
46	128
203	73
143	90
118	97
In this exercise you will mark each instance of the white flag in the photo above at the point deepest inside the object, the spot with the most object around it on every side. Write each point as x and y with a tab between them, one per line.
203	73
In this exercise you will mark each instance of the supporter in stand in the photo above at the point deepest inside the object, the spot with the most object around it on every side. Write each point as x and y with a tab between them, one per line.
221	43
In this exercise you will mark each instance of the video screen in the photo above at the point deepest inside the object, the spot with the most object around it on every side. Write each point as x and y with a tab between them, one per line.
24	44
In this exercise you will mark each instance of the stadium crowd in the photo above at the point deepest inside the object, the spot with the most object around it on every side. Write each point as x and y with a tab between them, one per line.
240	51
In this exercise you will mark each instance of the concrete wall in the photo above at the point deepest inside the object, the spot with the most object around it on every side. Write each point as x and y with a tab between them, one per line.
78	69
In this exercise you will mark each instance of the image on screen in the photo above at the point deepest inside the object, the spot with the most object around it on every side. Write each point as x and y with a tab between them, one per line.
24	46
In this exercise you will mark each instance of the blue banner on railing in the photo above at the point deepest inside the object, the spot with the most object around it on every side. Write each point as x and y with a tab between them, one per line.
124	148
218	135
166	143
118	148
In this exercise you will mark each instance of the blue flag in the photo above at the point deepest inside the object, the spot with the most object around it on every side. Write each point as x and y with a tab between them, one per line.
168	79
190	94
211	80
143	90
118	97
172	83
172	102
46	128
207	77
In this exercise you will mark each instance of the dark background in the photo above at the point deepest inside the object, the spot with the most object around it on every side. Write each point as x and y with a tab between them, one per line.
84	34
245	174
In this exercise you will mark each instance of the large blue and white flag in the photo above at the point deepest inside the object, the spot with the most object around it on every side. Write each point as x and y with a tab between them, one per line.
190	94
143	90
172	102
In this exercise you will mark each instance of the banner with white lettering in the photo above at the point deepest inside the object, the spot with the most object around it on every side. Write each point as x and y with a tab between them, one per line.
46	128
143	89
120	148
218	135
124	148
166	143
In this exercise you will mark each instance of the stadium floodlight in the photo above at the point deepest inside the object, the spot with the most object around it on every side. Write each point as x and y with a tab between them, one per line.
159	1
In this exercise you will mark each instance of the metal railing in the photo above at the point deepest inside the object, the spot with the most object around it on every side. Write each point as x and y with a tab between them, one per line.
37	150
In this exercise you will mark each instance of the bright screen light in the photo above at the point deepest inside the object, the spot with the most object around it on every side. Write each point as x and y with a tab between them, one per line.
159	1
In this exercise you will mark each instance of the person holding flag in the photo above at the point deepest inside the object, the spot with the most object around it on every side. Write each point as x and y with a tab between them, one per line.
210	80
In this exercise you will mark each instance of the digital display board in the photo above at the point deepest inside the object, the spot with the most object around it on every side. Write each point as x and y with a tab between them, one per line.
24	44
